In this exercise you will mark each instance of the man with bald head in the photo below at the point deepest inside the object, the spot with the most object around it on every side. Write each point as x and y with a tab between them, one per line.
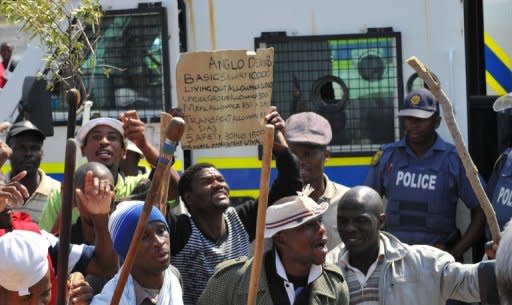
91	173
89	176
380	269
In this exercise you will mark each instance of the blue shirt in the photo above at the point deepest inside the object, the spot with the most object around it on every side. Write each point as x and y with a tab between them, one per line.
499	188
422	193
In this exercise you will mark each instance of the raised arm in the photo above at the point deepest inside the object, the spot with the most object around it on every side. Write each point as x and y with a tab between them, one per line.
96	199
134	131
288	180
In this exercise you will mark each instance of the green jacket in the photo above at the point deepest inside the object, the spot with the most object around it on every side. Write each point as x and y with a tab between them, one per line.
229	286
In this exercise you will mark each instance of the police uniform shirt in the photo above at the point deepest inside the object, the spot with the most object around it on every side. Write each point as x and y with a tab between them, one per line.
422	192
500	188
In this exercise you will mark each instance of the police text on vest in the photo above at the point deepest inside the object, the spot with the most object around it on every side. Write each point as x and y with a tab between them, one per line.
505	196
416	180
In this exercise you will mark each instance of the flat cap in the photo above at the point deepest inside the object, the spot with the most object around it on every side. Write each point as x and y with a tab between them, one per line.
308	128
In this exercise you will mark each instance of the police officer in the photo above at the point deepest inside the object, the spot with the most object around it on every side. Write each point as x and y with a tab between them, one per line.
422	177
499	188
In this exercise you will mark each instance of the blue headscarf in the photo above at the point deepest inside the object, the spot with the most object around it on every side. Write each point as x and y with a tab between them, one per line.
123	221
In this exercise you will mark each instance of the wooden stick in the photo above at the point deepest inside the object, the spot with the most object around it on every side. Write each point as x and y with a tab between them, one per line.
266	160
161	203
73	100
165	120
469	166
65	226
173	135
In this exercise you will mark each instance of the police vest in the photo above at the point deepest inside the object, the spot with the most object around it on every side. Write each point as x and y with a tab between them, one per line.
502	194
422	196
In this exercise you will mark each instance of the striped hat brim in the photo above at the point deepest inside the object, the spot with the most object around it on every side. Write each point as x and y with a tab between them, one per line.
294	218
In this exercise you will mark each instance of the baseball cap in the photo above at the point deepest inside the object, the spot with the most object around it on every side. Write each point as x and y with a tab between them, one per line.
84	130
24	126
419	103
24	260
308	128
291	212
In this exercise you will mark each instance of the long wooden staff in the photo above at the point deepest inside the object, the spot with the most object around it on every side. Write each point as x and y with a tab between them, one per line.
469	166
266	159
173	135
73	99
165	119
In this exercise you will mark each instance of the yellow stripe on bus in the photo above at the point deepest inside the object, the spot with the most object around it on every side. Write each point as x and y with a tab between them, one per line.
497	50
234	162
248	162
493	83
222	163
47	167
58	167
178	164
349	161
244	193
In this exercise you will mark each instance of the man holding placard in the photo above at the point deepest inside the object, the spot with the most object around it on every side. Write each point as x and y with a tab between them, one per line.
214	231
225	96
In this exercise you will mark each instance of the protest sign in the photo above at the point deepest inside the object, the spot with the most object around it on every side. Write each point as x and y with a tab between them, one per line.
225	96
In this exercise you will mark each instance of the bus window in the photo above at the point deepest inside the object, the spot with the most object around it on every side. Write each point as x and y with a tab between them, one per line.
129	70
354	81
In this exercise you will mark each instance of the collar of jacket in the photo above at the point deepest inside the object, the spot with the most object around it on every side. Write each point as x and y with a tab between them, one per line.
394	248
320	287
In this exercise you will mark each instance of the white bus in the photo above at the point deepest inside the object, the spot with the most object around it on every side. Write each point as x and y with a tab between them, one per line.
341	59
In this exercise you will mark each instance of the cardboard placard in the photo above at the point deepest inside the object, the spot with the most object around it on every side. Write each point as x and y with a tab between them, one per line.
225	96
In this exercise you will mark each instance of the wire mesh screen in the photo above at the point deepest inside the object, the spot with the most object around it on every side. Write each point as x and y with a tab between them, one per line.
354	81
129	70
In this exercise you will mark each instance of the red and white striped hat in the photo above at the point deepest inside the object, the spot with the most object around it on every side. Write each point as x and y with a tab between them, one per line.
292	211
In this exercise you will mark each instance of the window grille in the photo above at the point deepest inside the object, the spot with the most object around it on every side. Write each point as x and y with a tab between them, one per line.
131	69
354	81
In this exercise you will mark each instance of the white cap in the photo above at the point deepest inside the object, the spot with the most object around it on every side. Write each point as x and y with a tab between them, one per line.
291	212
84	130
132	147
24	256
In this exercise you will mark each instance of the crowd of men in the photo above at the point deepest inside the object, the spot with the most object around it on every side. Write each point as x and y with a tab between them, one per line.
391	240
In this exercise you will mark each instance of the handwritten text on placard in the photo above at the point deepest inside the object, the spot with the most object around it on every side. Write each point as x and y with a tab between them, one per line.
224	95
